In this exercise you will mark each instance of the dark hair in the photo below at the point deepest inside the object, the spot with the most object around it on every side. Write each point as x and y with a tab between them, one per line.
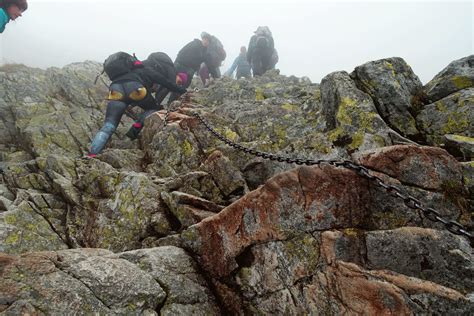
21	4
206	35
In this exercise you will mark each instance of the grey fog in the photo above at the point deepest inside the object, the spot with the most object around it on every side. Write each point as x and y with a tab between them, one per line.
313	38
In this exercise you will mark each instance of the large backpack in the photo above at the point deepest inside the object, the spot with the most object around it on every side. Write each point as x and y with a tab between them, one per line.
217	50
119	64
159	61
264	40
160	57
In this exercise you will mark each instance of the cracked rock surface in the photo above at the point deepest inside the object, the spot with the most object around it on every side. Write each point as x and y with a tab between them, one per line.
179	223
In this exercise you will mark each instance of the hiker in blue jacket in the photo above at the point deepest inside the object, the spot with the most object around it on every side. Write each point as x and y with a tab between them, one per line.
11	10
241	64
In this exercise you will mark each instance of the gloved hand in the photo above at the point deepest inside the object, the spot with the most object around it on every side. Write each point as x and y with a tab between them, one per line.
182	90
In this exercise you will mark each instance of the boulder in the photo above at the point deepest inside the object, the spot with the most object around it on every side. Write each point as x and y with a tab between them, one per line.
458	75
392	85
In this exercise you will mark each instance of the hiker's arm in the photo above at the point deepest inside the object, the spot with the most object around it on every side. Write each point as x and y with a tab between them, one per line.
233	67
3	22
250	48
213	72
272	43
163	81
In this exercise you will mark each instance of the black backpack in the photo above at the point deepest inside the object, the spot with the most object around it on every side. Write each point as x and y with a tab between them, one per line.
219	49
160	57
159	61
262	42
119	64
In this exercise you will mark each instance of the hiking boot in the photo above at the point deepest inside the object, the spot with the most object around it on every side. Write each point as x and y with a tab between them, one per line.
134	131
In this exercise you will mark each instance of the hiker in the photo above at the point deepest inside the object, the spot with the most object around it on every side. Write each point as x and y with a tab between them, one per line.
191	56
215	55
11	10
261	51
132	83
241	64
163	65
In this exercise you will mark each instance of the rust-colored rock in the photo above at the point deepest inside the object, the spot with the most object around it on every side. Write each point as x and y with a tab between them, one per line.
302	200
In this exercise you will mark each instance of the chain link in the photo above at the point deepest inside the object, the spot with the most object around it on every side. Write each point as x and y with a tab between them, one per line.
410	201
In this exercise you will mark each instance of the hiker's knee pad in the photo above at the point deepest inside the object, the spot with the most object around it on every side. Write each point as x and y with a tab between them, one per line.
131	91
138	94
115	96
116	92
134	90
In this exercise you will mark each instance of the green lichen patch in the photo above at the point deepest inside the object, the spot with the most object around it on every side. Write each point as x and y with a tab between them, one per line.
462	82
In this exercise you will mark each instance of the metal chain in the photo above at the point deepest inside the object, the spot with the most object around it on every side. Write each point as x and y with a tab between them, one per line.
411	202
167	115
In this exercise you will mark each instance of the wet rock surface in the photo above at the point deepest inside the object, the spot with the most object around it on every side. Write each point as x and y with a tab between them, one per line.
178	222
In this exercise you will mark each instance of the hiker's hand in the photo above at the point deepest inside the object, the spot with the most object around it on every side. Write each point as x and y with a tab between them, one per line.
182	90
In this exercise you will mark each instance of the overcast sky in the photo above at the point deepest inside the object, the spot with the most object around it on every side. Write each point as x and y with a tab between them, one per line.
313	38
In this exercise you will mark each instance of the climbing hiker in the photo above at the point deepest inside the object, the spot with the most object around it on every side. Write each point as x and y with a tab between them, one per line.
261	52
241	64
11	10
162	64
132	83
215	55
192	55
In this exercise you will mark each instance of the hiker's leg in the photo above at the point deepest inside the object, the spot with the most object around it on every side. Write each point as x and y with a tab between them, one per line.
115	110
257	66
149	105
160	95
162	92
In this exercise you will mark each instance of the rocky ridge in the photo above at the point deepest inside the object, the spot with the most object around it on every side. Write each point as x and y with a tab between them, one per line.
180	223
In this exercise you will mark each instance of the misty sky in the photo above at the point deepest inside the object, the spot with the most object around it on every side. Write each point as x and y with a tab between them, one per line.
313	38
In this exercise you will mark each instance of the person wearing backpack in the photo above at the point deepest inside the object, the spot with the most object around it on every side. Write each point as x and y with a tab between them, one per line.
11	10
241	64
260	51
163	64
215	55
132	83
190	58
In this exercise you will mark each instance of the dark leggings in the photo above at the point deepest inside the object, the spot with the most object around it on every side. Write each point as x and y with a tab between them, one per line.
116	108
261	62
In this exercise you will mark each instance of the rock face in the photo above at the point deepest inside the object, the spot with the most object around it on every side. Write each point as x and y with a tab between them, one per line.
392	85
180	223
90	281
449	122
351	117
458	75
